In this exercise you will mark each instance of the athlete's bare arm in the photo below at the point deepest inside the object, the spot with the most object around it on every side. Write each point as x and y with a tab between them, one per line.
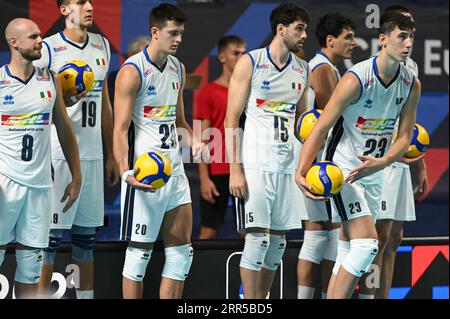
128	83
238	91
347	91
112	171
69	145
324	81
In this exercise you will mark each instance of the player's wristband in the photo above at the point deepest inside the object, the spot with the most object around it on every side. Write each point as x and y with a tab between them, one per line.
126	174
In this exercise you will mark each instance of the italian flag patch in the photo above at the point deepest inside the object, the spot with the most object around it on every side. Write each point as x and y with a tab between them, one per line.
296	86
175	85
100	61
45	94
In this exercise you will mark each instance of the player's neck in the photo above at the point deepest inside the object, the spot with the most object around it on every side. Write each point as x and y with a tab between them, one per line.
156	56
387	66
76	34
224	78
20	67
331	56
279	53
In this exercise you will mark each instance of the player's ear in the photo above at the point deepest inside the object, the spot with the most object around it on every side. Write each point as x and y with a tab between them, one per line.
65	10
382	38
154	32
330	41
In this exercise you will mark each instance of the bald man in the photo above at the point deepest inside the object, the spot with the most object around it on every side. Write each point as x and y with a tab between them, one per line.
30	100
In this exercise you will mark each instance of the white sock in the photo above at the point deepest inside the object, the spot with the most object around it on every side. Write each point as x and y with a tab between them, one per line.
304	292
364	296
324	295
85	294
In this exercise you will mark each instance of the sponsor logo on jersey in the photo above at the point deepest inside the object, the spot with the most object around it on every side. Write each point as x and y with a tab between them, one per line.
375	124
296	87
151	91
43	74
60	48
97	46
265	85
8	100
98	85
276	106
46	96
262	66
368	104
4	82
26	119
161	111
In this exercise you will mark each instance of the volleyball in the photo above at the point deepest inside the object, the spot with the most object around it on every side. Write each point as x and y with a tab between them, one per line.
419	142
154	169
326	178
306	122
76	75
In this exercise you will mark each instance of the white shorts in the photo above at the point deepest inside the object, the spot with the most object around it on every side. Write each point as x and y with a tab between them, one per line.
24	214
312	210
143	212
88	209
272	202
356	200
397	199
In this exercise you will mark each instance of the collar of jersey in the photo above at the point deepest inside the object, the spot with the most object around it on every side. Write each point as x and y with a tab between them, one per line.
375	70
151	62
61	33
276	66
18	79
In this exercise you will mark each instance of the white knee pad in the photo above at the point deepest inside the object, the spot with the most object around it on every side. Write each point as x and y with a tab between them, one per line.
255	249
361	255
178	262
333	239
29	264
277	246
343	249
2	256
314	245
136	261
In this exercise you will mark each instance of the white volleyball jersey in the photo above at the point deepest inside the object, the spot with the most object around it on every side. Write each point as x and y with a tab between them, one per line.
86	115
155	108
366	126
26	115
412	66
269	128
319	59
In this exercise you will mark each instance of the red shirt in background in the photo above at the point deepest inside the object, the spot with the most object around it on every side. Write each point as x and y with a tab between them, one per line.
211	104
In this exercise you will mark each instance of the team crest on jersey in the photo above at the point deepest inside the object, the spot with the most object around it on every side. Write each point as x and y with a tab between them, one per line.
161	111
60	48
26	119
375	124
405	81
46	96
43	74
265	85
262	66
275	106
147	72
368	104
298	69
369	83
151	91
296	87
97	46
173	69
8	100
